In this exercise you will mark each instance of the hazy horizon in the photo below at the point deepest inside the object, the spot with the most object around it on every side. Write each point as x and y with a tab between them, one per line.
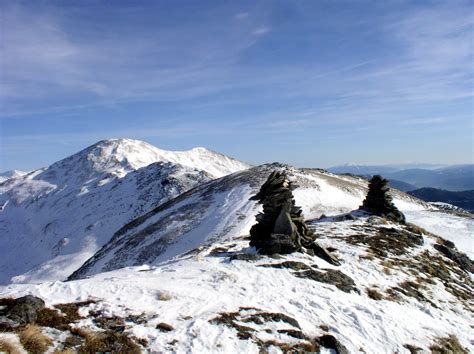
313	84
410	164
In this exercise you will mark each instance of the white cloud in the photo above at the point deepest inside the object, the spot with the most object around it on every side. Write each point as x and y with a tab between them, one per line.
261	30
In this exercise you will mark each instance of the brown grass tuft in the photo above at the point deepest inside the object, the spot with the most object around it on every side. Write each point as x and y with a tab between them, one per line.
34	340
51	318
9	346
164	296
448	345
374	294
109	342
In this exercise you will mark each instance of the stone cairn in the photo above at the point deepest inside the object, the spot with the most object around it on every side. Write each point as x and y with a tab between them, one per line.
379	202
280	228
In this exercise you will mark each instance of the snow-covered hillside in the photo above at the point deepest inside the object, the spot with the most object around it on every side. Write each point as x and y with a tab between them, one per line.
221	210
53	219
393	293
182	278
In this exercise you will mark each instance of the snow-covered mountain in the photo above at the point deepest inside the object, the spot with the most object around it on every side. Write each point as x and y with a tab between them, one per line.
10	174
53	219
221	210
182	278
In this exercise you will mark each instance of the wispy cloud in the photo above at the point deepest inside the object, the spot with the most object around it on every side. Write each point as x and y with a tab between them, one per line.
261	30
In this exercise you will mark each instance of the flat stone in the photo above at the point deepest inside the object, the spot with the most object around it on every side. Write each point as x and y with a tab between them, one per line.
164	327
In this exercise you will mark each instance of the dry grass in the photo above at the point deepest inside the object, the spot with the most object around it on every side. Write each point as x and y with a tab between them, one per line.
367	256
34	340
324	327
164	296
417	229
109	342
9	346
374	294
448	345
51	318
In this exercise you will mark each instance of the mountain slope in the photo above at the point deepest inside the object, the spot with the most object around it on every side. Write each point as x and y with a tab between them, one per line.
393	293
221	210
53	219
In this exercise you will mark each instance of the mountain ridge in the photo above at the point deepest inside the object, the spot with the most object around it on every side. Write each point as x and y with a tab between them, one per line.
69	209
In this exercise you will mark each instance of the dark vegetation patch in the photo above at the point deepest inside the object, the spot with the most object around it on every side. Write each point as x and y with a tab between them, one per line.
47	317
62	316
108	341
386	241
448	345
264	317
428	268
412	349
71	310
409	289
26	316
374	294
230	319
245	257
302	343
296	266
328	276
112	323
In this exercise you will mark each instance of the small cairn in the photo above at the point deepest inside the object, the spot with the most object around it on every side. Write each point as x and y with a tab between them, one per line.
280	228
379	202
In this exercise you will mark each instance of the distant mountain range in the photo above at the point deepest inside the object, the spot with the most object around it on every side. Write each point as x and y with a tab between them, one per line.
450	178
463	199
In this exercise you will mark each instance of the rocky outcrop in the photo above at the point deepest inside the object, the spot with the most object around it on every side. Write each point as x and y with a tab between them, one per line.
448	249
280	228
379	202
20	311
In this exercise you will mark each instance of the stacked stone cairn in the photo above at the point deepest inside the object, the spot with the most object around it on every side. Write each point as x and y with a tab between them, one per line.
379	202
280	228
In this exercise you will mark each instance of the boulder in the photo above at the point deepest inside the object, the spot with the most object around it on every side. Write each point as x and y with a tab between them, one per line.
21	311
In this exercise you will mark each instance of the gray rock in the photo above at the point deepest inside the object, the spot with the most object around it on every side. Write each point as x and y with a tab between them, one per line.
449	250
284	224
279	244
22	310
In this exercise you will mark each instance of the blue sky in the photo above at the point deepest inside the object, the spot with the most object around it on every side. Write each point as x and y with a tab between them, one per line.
310	83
